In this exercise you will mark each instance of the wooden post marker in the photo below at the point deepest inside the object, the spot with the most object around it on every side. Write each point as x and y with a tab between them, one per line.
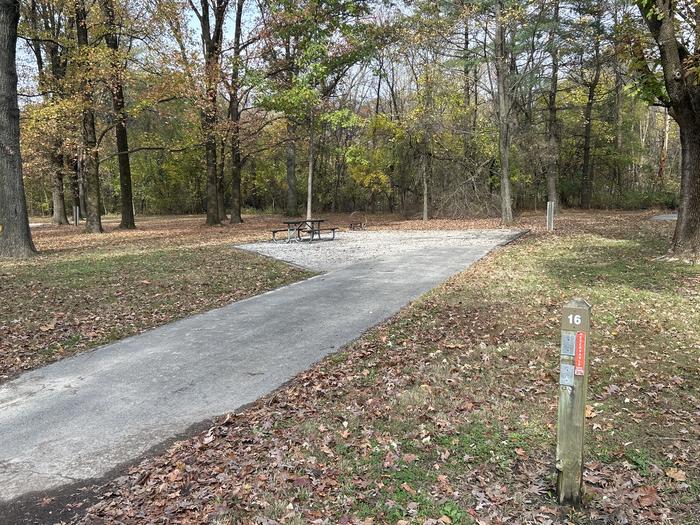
550	216
573	384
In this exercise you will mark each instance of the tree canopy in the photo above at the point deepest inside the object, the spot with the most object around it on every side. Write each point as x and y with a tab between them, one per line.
447	108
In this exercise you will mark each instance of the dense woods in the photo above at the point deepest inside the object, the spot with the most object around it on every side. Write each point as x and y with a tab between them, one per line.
432	109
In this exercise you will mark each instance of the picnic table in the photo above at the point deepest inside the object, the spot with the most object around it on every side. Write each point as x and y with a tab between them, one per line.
296	228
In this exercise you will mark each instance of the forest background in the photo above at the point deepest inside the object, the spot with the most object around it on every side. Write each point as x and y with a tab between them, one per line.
166	106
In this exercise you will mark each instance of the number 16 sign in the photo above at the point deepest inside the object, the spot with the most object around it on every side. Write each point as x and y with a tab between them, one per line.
573	383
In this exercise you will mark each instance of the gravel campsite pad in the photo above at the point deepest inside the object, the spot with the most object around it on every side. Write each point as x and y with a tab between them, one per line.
352	247
665	217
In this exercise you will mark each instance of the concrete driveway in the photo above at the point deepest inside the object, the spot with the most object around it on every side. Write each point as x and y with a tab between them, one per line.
79	418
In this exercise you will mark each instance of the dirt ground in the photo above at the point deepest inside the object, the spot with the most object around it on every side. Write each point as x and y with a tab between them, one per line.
447	412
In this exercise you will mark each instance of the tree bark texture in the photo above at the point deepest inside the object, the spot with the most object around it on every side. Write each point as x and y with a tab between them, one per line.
234	114
58	199
683	90
15	236
587	169
120	129
552	121
310	178
91	167
504	138
220	181
211	46
686	239
290	160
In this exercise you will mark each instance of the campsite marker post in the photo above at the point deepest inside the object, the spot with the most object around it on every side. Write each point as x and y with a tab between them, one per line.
573	384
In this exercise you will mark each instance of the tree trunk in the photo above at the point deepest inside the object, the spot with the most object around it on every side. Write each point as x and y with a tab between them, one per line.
503	118
57	192
220	181
122	137
128	221
291	154
426	172
236	163
684	98
211	47
309	182
82	200
686	238
235	117
587	170
15	236
236	196
339	167
617	168
212	176
467	95
91	167
664	150
72	168
553	126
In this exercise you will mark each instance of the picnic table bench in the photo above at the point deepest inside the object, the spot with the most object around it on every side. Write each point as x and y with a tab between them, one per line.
296	228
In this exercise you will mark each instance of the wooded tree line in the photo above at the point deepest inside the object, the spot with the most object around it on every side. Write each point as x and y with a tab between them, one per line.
444	108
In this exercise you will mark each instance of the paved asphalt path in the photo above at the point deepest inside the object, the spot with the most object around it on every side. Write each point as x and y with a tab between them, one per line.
81	417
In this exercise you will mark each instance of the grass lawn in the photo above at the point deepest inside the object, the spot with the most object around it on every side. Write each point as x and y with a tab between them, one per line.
86	290
447	413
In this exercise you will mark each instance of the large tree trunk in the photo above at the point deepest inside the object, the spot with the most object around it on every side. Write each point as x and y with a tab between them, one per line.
117	89
15	236
235	117
617	166
212	177
211	46
686	238
663	157
587	170
208	118
426	174
58	192
125	186
91	167
684	98
503	118
310	179
71	167
220	181
236	196
236	160
291	156
552	122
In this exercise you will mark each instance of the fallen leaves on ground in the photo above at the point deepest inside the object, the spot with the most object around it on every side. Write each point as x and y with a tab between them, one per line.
447	413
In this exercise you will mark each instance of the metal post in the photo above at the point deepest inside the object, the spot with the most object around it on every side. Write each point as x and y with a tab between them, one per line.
573	384
76	215
550	216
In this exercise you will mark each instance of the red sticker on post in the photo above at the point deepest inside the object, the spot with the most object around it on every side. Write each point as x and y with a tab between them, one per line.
580	356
